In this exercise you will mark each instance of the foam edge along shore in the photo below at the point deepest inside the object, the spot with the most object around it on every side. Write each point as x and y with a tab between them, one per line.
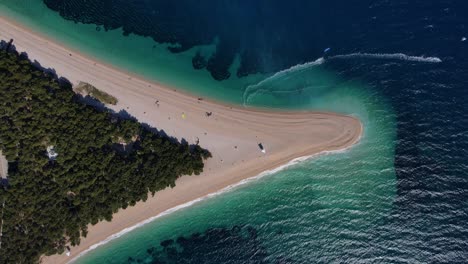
214	194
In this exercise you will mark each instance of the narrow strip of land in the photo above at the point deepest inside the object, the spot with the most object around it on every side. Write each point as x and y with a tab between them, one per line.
3	175
3	166
232	134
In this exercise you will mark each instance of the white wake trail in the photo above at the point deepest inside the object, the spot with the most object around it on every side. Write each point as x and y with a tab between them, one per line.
253	89
281	73
391	56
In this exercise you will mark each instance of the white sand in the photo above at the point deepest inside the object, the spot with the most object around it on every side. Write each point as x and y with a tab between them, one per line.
285	135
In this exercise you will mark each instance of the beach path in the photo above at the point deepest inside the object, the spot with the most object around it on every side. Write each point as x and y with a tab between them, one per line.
3	166
231	133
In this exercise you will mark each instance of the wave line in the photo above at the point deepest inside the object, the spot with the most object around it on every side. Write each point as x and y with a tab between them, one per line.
208	196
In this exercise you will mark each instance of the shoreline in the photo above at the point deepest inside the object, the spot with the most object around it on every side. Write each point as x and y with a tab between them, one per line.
208	196
99	62
232	134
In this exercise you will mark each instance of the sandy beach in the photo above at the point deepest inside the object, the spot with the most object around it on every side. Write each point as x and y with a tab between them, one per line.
231	133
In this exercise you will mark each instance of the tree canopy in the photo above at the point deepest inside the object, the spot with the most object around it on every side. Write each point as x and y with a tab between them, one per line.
48	204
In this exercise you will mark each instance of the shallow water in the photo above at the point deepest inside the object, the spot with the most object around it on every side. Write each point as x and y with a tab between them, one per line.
300	211
399	196
134	53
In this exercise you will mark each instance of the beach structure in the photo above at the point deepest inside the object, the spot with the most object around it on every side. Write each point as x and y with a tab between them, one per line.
51	153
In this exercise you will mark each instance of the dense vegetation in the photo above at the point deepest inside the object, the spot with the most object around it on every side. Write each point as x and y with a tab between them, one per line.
88	89
49	203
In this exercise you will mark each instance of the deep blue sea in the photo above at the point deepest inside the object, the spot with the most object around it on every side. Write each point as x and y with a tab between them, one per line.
401	66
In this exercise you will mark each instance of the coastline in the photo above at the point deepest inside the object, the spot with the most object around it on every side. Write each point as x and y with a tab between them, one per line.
208	196
231	134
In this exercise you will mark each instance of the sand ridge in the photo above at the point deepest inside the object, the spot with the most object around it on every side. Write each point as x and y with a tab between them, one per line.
231	133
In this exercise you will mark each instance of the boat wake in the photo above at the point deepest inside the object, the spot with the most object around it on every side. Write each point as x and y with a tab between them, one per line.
277	75
254	89
388	56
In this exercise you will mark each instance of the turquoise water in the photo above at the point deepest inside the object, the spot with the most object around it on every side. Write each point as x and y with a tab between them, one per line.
323	208
312	210
134	54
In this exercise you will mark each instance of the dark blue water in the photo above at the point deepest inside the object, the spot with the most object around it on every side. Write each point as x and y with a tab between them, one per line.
273	35
429	218
430	215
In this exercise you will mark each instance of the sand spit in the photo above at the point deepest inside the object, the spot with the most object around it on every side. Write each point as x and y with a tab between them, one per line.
231	133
